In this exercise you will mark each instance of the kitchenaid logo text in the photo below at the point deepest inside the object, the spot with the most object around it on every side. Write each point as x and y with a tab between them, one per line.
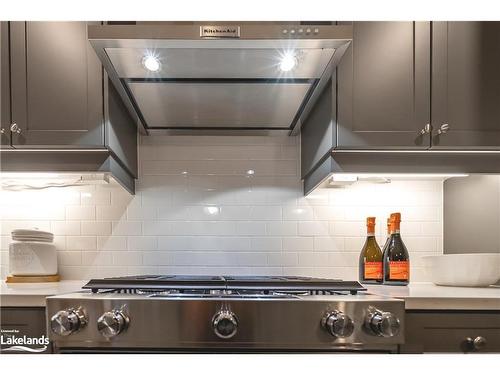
22	343
220	31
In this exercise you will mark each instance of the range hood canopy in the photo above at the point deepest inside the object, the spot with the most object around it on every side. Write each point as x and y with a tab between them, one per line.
248	77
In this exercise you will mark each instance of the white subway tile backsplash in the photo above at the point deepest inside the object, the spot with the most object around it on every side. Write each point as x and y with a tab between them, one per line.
329	213
428	244
66	228
127	228
137	212
80	213
97	258
153	228
112	243
127	258
298	213
155	258
283	259
198	211
203	228
297	243
32	212
4	242
285	228
113	212
69	258
251	228
93	198
81	243
142	243
265	244
348	228
332	244
203	243
96	228
60	242
343	259
355	243
313	228
432	228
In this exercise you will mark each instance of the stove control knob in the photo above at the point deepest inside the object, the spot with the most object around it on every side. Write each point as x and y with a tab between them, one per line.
382	323
66	322
338	324
225	324
112	323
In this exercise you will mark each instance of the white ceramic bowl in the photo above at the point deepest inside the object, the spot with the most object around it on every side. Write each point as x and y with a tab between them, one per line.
463	269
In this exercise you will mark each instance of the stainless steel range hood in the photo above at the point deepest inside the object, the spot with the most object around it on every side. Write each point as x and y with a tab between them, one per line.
255	78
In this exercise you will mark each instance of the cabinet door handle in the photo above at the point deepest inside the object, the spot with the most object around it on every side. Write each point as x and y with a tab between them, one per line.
475	344
14	128
426	129
2	131
443	129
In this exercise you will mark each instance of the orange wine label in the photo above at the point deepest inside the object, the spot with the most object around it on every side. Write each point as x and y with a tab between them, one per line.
399	270
373	270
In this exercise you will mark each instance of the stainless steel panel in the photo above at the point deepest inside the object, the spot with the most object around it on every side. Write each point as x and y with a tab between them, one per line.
219	63
263	33
262	323
219	105
322	43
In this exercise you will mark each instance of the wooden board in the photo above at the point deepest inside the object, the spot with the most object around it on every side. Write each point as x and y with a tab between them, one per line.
32	279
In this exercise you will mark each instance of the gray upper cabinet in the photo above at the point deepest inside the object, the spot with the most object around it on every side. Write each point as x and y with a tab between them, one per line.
466	84
4	86
57	86
384	87
120	129
58	100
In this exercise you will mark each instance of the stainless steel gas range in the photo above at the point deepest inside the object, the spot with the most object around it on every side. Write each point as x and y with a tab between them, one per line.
224	314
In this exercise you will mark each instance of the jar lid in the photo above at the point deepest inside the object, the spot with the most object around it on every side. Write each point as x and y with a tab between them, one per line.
31	235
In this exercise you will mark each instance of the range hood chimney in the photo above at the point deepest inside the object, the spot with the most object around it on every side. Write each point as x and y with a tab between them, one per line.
220	78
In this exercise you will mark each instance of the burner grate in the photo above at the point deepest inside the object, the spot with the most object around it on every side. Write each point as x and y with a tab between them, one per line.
188	284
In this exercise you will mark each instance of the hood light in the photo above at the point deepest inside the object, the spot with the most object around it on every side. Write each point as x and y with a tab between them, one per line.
151	63
288	62
342	179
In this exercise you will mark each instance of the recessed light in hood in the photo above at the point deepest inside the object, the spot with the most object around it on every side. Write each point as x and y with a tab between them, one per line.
288	61
151	63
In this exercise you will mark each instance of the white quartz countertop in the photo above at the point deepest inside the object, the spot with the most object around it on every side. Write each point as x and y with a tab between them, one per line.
427	296
34	294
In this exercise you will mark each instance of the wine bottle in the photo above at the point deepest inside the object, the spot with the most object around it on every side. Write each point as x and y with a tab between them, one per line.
396	258
388	235
370	259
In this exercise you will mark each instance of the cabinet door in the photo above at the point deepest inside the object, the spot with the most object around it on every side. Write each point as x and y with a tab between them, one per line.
466	84
384	87
452	332
56	79
4	86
